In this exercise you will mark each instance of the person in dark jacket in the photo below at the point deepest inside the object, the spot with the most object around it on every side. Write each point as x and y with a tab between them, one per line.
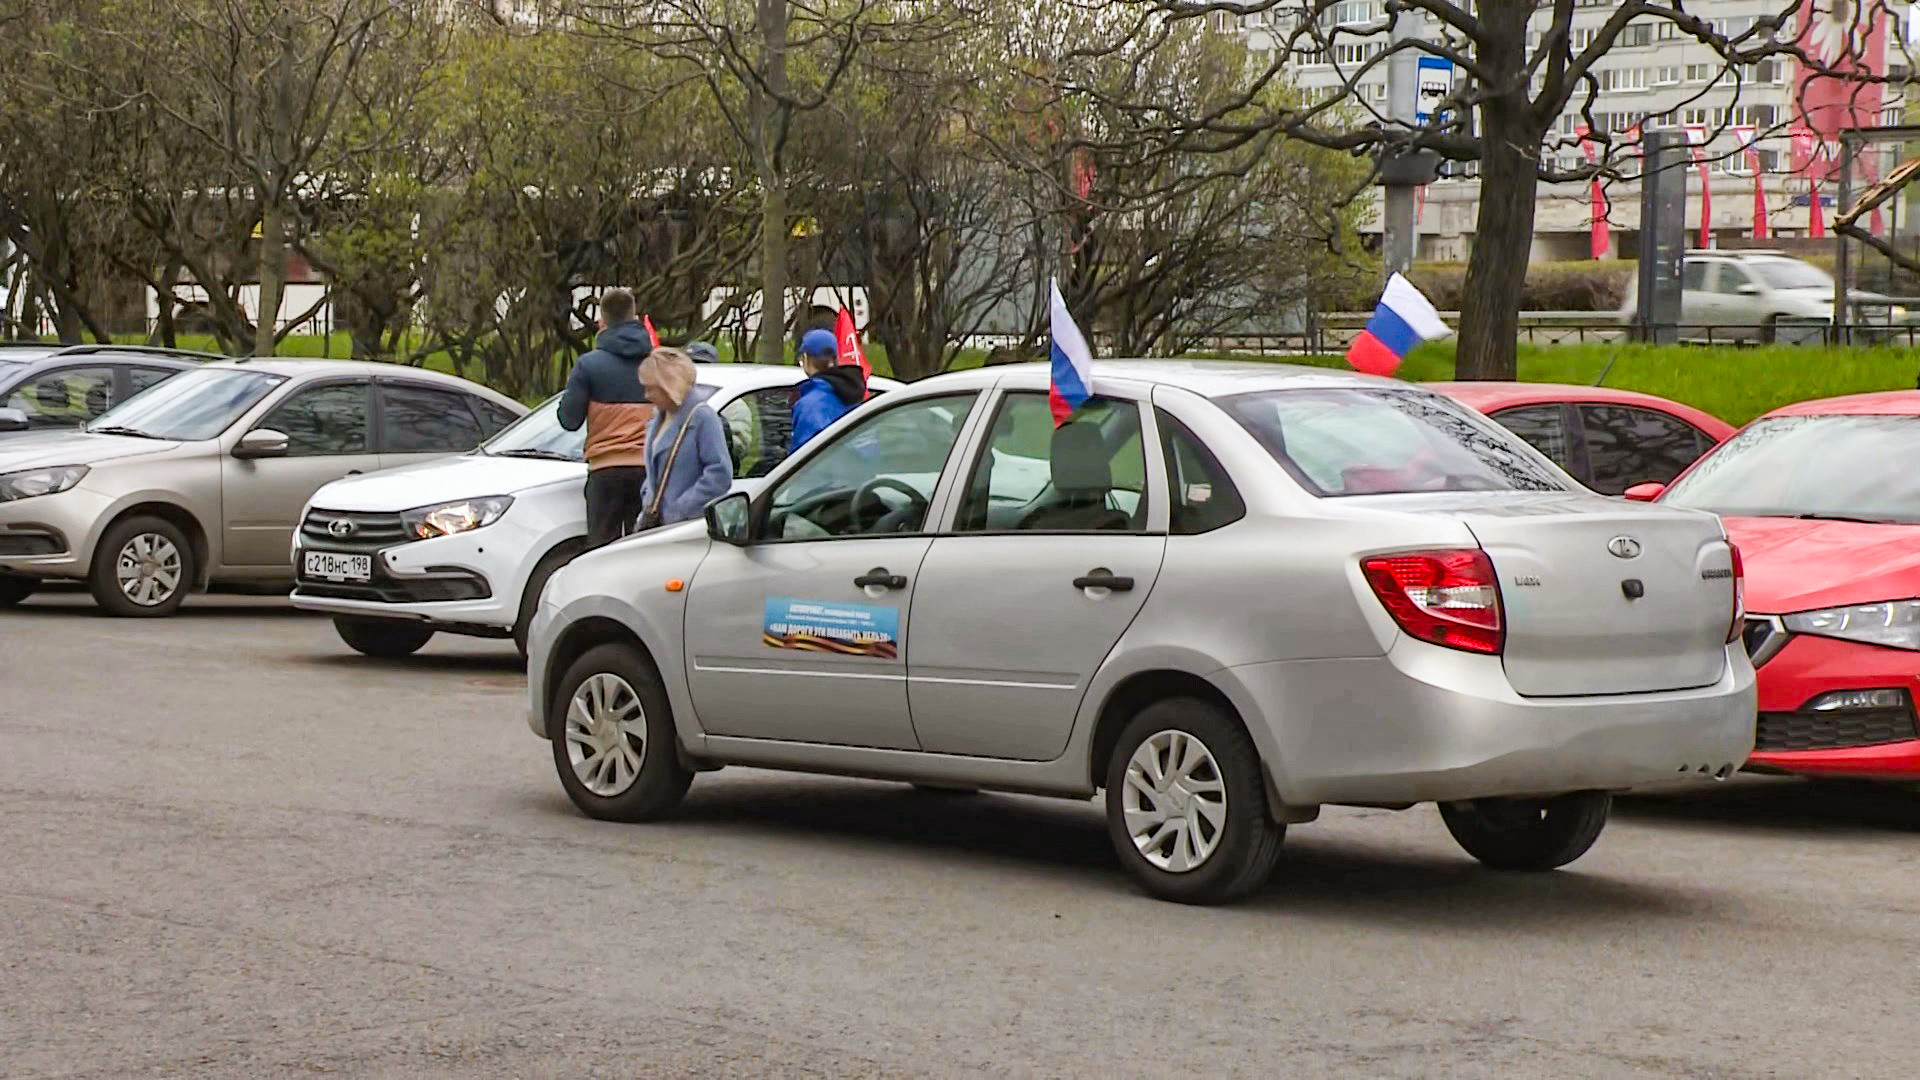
604	393
831	390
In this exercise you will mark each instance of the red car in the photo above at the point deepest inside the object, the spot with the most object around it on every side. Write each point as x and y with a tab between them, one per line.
1609	440
1823	500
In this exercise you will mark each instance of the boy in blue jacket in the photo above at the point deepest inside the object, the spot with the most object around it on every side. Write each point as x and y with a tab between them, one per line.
830	392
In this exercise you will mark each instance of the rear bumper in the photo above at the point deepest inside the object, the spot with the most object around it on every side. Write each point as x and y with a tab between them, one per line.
1424	724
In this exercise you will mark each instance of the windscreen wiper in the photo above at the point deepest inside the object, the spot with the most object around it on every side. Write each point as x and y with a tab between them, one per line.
1844	517
537	455
116	430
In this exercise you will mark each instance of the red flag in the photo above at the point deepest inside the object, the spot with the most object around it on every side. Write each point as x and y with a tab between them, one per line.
849	340
1816	214
1747	135
647	321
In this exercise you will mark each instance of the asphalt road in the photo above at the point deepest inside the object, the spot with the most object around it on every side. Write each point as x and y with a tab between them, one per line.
232	849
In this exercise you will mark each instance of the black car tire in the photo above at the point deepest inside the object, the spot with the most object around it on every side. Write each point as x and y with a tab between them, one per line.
103	579
1247	839
1528	834
661	780
15	589
385	639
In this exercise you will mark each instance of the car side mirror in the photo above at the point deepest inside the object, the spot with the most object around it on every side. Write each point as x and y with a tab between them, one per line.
1645	492
261	443
14	420
728	518
1748	289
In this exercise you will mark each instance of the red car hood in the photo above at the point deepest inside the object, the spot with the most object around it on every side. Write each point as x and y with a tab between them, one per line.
1795	565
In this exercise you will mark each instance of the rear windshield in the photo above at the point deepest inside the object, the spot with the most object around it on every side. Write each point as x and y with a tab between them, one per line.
1378	442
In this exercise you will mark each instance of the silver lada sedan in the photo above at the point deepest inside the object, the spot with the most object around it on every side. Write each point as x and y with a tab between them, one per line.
1225	594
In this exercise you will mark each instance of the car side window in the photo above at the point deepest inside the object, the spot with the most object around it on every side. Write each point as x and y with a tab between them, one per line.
140	378
330	419
759	427
1203	497
1544	427
494	419
1627	445
64	397
1087	475
1694	277
417	419
875	478
1732	277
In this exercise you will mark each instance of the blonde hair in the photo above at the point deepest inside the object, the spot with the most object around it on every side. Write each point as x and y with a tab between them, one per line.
671	370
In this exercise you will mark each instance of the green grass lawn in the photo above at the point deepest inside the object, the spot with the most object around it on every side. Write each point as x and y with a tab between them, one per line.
1735	384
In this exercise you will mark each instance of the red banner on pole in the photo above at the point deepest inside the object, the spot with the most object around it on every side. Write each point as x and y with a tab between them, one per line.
1697	146
1601	243
1748	136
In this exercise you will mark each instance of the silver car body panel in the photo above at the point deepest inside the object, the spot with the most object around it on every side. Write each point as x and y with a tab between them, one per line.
243	512
1271	612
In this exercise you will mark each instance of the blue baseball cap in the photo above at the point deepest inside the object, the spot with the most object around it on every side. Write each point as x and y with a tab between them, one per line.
819	343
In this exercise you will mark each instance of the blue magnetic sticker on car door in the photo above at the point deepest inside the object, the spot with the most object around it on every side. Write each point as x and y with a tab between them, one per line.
826	626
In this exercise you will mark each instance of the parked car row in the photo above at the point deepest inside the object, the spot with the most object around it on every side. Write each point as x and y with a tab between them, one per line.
1472	621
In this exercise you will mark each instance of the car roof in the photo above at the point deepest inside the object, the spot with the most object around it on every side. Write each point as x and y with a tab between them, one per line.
1489	397
296	367
1883	403
1208	378
753	376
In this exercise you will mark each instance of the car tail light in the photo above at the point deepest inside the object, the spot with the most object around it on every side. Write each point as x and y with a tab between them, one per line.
1739	626
1449	598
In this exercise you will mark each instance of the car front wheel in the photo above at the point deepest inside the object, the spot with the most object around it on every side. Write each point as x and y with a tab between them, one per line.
1528	834
1187	805
613	739
143	568
386	639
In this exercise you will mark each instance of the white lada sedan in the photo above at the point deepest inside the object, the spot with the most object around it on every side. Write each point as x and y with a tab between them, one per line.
1224	594
464	544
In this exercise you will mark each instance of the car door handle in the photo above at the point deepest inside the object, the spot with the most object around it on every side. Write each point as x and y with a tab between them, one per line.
878	578
1102	578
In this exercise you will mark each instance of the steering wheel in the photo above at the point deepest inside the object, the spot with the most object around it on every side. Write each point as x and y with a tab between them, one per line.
870	492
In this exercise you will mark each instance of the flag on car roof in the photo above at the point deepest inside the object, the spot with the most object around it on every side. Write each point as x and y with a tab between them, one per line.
1072	382
1405	318
652	337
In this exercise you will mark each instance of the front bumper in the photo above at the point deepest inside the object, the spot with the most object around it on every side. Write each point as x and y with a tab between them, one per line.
1427	724
52	536
466	583
1849	744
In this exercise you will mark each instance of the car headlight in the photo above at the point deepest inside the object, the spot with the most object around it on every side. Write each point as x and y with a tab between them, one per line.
27	483
455	517
1894	624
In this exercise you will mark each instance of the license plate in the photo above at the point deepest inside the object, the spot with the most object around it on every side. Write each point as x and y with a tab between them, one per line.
328	566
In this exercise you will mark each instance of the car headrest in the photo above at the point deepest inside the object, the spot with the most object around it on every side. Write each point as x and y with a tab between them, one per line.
1081	464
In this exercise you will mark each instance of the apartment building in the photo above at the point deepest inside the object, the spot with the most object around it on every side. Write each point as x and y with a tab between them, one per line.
1652	77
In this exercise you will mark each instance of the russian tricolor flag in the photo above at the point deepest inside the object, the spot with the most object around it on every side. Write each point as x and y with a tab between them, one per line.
1072	361
1405	318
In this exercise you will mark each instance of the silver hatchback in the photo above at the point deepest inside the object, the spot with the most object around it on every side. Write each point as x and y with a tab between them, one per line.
199	481
1224	594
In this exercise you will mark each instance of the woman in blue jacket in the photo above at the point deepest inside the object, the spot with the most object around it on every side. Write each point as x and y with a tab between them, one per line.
688	465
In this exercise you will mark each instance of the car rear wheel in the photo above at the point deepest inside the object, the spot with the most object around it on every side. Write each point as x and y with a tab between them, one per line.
613	738
143	568
387	639
1528	834
1187	805
15	589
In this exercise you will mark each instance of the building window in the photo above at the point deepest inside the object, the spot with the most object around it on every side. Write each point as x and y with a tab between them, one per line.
1668	75
1635	35
1699	73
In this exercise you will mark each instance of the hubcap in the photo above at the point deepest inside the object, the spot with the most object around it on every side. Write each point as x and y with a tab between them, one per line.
606	734
148	569
1174	801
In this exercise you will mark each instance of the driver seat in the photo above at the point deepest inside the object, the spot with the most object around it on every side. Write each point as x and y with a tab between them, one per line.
1082	482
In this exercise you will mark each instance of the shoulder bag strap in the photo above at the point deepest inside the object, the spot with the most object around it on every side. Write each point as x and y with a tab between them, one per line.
660	482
